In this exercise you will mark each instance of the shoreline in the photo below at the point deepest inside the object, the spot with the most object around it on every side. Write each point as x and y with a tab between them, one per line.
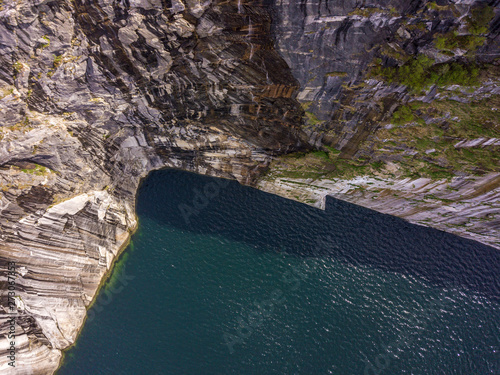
313	193
104	280
451	206
115	263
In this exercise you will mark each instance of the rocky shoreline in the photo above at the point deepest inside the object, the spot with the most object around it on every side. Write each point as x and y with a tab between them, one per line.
465	207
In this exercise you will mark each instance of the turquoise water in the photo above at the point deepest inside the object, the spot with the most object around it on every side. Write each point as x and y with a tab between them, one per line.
225	279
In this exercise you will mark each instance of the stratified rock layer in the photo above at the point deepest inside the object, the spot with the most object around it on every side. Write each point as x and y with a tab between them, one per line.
334	50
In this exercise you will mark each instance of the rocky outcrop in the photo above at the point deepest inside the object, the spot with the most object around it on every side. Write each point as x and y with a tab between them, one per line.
95	94
332	48
405	96
466	207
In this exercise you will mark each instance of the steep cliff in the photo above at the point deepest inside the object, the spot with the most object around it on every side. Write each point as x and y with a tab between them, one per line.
95	94
403	100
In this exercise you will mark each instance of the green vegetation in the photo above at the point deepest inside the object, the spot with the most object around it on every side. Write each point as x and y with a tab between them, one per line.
5	91
395	52
402	115
452	41
21	126
477	25
305	105
332	150
393	12
377	165
312	119
434	197
433	5
475	119
321	154
367	12
17	67
322	164
421	72
442	8
336	74
408	146
422	26
57	61
480	20
46	38
455	74
465	121
38	170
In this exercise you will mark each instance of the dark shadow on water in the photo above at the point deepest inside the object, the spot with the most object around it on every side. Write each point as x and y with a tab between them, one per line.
345	231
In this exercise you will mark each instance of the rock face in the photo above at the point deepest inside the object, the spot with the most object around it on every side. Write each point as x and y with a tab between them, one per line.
357	65
95	94
406	96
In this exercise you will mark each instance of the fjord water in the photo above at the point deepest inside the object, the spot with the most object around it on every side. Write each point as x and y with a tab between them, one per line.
225	279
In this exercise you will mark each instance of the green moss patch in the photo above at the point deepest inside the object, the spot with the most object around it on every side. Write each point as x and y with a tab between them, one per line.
480	19
38	170
422	72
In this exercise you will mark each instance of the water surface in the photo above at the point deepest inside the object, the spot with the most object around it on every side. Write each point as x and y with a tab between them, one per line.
225	279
